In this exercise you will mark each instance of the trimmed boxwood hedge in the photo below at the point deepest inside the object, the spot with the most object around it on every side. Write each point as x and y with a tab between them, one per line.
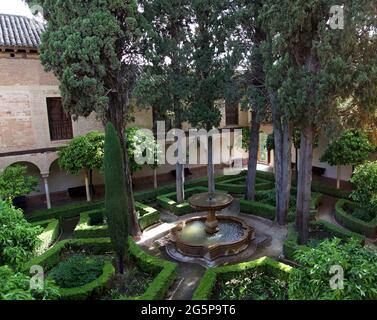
49	235
210	277
152	194
64	212
268	211
317	186
368	229
290	245
148	216
168	201
238	185
166	271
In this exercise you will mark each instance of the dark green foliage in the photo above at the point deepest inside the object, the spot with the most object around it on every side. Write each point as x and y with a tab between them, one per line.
18	238
320	230
115	199
77	271
252	284
365	181
311	280
274	269
16	286
344	215
351	148
14	182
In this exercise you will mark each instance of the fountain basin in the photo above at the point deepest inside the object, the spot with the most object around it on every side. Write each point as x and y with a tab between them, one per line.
192	239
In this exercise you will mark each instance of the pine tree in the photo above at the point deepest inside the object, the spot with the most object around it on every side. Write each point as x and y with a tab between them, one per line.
116	207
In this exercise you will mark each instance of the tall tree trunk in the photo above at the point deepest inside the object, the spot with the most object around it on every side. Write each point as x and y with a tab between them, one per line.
180	178
304	183
116	116
296	165
283	159
155	184
87	186
338	174
253	157
210	167
91	183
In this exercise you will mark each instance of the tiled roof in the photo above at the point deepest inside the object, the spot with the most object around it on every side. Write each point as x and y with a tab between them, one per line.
19	31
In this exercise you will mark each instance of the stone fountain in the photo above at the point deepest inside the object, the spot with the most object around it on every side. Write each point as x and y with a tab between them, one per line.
211	237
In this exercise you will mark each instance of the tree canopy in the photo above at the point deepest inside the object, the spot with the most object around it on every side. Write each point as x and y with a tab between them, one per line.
15	183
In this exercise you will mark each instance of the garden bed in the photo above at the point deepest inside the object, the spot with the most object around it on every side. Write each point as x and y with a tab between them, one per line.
261	279
264	205
238	185
158	274
92	223
319	231
348	214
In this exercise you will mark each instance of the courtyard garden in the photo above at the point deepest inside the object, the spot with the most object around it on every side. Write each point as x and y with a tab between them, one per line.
236	232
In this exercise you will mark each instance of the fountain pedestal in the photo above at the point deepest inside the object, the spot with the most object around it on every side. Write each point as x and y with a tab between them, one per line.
212	225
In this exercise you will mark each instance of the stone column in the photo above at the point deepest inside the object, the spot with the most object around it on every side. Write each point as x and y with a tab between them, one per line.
47	190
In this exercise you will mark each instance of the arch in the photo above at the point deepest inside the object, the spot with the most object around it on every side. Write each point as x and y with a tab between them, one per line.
10	162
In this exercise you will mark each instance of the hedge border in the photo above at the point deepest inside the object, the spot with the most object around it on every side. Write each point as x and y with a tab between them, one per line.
208	281
368	229
75	209
49	235
268	211
167	201
291	245
148	216
238	185
166	271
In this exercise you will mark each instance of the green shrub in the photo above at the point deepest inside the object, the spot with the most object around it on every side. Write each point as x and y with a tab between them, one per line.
77	271
291	245
165	271
312	280
254	284
345	218
364	179
16	286
212	275
15	183
18	238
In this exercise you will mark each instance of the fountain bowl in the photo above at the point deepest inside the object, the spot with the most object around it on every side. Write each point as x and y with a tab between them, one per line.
206	248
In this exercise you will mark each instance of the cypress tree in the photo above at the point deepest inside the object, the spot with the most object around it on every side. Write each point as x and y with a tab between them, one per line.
116	205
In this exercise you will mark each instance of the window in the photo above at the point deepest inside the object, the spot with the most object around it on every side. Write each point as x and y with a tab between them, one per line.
231	112
59	122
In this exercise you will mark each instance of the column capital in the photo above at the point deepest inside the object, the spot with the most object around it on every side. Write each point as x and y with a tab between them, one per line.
45	175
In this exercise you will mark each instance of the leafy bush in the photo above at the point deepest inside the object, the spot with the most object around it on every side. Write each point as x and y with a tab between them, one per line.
18	238
14	182
312	280
77	271
365	182
16	286
252	284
